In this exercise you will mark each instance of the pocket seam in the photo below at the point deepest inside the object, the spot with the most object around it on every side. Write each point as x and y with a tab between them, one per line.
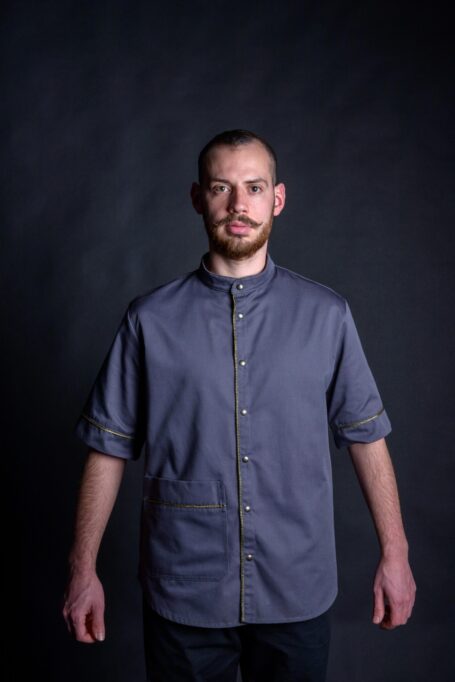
177	507
182	504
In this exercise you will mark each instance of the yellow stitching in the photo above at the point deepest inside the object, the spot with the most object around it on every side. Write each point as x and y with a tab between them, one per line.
362	421
239	475
178	504
103	428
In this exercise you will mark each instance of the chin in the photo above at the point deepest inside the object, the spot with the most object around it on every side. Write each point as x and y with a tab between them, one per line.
237	249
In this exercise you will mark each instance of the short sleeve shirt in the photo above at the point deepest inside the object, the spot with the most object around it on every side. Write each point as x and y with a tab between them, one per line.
229	387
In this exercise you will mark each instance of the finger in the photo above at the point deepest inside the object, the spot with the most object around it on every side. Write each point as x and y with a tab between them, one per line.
386	623
397	615
80	629
76	620
378	611
410	611
411	607
66	616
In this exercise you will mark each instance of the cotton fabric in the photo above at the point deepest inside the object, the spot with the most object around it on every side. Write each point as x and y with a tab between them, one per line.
229	387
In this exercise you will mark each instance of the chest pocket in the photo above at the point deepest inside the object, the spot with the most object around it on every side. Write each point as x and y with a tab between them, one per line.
184	529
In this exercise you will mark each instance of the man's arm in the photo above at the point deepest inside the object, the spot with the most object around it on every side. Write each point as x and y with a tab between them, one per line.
394	586
83	608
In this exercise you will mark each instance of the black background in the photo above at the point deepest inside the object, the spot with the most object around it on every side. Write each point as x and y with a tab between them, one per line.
107	107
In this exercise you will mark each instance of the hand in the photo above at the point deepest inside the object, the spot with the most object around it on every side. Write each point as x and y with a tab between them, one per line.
83	608
394	592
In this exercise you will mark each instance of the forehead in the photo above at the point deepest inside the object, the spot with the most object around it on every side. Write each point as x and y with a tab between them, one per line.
246	160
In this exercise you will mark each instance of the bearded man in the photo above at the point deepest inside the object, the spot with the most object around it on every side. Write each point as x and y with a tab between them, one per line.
227	378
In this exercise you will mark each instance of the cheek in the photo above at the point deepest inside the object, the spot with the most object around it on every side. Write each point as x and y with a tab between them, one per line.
266	207
215	207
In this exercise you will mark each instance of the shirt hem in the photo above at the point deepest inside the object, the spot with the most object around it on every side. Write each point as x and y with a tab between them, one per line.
169	615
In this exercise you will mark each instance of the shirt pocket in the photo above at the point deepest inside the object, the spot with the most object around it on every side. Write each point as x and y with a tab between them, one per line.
184	529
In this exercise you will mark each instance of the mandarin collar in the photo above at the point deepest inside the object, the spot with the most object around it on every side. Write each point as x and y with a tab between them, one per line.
240	286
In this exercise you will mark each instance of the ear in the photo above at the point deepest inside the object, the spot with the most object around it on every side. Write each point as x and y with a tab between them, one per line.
280	198
196	197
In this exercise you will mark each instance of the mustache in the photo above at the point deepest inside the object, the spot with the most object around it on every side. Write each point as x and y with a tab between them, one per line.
237	219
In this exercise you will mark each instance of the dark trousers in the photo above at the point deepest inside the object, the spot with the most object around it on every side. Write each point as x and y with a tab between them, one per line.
272	652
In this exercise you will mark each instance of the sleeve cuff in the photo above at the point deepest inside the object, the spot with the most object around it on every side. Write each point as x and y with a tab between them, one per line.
363	430
107	438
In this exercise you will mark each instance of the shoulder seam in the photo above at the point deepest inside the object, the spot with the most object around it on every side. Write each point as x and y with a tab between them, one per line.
312	281
151	291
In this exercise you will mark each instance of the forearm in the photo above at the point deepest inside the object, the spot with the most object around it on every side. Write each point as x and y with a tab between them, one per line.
98	491
376	476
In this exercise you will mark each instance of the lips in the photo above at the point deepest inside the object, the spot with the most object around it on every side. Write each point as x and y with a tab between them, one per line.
238	228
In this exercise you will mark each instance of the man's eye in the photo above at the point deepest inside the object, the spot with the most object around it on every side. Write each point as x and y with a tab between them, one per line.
219	188
256	189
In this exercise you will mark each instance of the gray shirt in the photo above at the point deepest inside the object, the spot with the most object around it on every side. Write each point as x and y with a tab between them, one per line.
228	385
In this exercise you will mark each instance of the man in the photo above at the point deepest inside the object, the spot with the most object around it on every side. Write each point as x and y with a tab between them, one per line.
228	377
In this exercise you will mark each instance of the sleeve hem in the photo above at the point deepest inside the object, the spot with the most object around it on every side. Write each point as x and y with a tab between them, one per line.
104	439
97	425
353	425
363	430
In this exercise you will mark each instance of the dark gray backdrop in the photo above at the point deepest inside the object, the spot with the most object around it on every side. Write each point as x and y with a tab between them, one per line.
108	104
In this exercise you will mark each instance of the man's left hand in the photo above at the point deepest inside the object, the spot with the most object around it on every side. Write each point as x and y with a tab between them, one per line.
394	592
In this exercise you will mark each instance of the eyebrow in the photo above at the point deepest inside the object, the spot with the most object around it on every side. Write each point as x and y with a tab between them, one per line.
248	182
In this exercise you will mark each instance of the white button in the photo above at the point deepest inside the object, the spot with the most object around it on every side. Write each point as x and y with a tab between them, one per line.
244	411
243	363
239	286
240	315
245	458
247	508
249	557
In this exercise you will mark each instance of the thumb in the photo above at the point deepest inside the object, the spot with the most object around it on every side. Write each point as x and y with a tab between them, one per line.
97	624
379	609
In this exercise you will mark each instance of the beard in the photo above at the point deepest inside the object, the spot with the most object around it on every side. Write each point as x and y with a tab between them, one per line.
237	247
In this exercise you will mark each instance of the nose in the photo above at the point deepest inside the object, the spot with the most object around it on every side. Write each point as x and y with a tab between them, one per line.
237	200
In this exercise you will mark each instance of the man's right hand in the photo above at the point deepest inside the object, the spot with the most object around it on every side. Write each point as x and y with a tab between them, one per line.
83	608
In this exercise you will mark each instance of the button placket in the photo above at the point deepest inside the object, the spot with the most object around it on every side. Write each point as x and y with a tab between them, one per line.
243	408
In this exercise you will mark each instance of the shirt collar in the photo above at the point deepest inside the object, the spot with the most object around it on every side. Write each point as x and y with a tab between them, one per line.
240	286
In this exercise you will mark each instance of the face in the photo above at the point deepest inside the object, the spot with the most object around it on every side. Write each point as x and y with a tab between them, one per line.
237	199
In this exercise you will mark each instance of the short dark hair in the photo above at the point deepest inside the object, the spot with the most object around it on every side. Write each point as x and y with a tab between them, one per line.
234	138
